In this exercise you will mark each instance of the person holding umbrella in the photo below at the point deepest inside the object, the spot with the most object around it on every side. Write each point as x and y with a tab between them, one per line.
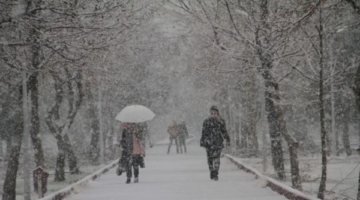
133	151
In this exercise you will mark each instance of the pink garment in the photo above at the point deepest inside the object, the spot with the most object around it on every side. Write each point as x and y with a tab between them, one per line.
173	130
137	147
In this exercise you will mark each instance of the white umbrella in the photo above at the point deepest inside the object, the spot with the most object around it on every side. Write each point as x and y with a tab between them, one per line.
135	114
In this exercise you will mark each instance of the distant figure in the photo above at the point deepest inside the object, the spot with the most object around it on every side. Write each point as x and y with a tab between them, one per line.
173	131
182	135
213	134
132	151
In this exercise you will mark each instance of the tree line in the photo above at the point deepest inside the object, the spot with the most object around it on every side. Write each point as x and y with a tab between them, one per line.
297	58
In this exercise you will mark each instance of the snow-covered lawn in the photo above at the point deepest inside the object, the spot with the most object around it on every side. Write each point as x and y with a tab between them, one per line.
342	174
52	186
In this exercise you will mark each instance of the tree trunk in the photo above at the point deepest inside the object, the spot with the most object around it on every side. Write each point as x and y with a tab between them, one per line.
35	121
237	133
111	138
294	162
358	192
328	141
8	149
323	141
33	85
254	145
1	149
293	147
322	185
72	160
94	142
333	122
243	135
60	161
346	138
273	116
94	153
9	190
276	146
356	88
262	39
358	131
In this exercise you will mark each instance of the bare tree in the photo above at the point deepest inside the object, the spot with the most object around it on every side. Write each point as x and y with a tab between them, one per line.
60	130
320	29
265	30
356	84
32	8
9	190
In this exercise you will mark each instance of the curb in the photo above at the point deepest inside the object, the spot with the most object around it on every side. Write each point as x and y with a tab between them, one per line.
61	194
282	189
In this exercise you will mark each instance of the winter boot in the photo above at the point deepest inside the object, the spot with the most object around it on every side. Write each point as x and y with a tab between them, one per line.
128	180
211	175
136	180
215	175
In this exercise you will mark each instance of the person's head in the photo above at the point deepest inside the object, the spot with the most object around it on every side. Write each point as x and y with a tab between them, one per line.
131	126
214	111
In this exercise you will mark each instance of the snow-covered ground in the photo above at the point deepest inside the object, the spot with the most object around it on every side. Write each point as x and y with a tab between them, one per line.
166	140
171	171
178	176
342	174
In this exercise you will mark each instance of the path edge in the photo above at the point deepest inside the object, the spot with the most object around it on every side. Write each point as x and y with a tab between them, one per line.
280	188
63	193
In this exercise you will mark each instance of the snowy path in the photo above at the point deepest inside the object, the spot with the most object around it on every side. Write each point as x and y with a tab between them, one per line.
178	176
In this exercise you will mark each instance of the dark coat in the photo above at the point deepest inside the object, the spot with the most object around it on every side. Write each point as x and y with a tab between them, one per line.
183	132
213	133
126	143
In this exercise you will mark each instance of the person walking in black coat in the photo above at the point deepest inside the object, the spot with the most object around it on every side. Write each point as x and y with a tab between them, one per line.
213	135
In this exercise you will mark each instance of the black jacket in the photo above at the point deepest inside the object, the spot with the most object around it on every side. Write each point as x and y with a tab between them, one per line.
183	132
126	141
214	132
126	144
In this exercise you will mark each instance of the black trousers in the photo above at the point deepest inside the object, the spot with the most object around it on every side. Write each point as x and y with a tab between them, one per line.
182	143
135	162
176	143
213	157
